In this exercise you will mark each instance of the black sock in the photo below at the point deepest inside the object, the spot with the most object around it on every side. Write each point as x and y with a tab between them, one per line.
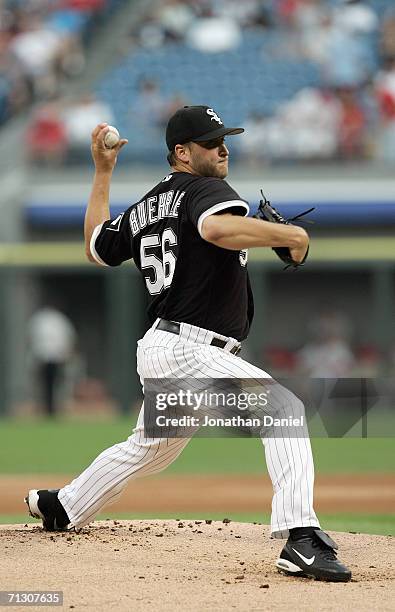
300	532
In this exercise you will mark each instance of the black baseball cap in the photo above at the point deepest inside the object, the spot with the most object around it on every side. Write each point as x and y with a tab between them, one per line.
196	124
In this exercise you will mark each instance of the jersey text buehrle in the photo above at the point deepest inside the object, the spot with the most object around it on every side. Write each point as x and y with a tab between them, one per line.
151	210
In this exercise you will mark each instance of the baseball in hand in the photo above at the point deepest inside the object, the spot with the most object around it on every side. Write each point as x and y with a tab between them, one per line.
111	138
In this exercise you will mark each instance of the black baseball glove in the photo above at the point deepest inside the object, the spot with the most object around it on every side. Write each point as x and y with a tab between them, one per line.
267	212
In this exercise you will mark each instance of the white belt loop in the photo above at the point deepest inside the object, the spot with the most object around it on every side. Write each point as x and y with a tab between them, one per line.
232	342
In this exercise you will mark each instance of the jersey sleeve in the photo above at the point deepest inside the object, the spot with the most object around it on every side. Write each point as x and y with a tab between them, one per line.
210	196
111	244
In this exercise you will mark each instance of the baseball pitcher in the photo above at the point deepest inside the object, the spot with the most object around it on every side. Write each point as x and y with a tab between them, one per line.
189	237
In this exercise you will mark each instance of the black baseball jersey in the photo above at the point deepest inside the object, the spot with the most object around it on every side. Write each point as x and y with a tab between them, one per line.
188	279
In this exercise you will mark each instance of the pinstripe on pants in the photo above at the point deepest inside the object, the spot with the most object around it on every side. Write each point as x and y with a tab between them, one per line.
162	354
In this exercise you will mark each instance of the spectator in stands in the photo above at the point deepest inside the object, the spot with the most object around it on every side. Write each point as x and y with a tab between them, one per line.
328	354
385	88
46	139
301	17
80	117
305	127
308	14
310	123
177	101
286	12
356	16
52	339
248	13
150	106
255	145
87	6
146	35
351	134
214	35
18	92
175	17
349	54
36	49
260	18
149	113
314	41
41	41
69	26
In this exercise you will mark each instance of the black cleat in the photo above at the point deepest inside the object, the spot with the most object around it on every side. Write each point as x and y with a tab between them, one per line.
313	556
45	505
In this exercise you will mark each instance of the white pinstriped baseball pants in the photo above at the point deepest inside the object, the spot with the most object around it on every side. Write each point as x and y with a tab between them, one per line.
162	354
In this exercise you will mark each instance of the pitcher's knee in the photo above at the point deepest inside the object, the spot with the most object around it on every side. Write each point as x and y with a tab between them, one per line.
154	456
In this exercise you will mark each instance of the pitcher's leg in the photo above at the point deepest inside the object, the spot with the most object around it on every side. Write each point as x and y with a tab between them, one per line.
291	468
288	451
293	482
104	480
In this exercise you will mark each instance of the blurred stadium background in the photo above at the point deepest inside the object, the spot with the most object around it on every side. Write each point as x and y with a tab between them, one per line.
313	82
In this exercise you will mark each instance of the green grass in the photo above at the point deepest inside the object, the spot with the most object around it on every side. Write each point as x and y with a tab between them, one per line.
340	249
380	524
66	447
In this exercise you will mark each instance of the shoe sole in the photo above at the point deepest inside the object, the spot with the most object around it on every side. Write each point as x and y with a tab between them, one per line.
290	569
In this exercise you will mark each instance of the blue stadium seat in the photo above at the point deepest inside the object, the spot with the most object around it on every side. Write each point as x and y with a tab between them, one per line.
250	78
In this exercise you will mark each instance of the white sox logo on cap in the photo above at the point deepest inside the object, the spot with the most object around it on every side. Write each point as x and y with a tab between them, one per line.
214	115
196	124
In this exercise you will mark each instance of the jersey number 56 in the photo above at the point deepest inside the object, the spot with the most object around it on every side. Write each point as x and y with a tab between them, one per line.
162	267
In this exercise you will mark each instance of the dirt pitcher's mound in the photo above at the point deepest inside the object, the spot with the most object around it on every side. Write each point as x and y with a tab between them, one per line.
187	565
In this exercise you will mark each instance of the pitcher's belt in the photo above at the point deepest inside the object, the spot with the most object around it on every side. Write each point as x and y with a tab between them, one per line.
175	328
